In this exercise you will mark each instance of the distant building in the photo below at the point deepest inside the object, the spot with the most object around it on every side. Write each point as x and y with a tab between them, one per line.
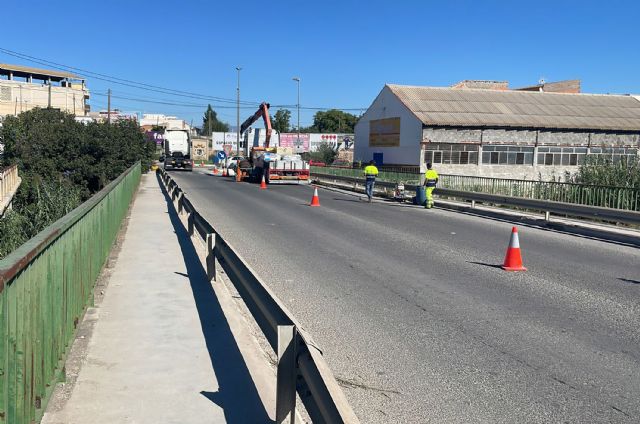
151	120
542	130
23	88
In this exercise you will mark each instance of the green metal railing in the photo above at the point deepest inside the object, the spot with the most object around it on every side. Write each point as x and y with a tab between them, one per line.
624	198
45	287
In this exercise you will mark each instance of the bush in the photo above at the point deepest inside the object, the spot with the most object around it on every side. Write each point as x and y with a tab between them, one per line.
62	163
598	170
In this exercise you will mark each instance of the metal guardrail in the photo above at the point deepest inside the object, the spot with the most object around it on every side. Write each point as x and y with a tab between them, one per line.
624	198
301	366
45	286
548	207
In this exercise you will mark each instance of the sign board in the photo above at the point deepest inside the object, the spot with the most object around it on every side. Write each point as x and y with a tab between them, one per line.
384	132
227	149
221	155
300	145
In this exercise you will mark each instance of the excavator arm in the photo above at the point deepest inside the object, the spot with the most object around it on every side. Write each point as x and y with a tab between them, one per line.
263	111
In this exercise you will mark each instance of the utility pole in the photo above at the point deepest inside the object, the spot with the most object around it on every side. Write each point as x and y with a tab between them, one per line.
238	113
297	79
109	106
49	102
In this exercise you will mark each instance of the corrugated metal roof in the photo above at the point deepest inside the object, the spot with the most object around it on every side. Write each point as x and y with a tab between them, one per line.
36	71
503	108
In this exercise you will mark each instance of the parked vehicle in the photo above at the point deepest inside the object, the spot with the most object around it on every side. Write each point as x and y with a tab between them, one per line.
177	150
316	163
341	164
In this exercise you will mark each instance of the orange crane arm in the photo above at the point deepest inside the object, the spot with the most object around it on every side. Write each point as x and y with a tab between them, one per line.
263	111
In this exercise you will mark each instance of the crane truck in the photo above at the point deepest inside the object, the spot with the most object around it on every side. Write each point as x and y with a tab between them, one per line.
277	165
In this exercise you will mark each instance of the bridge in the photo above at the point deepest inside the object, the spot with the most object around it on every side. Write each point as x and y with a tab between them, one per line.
221	301
9	184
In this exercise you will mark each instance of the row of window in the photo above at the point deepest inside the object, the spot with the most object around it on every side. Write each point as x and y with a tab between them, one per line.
463	154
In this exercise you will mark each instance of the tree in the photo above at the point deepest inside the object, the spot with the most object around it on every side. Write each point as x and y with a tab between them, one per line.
210	122
325	153
281	121
333	120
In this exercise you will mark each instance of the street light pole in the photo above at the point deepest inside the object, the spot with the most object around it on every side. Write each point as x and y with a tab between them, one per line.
238	114
297	79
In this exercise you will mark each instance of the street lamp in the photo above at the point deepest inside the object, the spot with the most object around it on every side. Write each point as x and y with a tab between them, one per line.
297	79
238	114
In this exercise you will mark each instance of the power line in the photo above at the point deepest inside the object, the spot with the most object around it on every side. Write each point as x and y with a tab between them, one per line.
121	81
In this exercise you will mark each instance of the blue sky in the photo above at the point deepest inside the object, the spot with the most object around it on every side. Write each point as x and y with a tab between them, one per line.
343	51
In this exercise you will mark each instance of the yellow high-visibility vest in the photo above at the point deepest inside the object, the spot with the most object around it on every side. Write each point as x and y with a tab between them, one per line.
370	170
431	177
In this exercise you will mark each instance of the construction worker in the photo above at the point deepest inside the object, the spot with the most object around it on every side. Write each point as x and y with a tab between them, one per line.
430	181
370	173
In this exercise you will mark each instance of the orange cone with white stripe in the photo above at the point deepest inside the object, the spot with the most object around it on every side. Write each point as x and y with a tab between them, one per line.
513	259
315	200
215	170
224	172
263	184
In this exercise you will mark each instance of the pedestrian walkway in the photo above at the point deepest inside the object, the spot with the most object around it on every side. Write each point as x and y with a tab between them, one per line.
166	347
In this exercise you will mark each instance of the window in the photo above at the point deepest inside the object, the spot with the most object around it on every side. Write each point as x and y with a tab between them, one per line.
507	155
451	154
561	156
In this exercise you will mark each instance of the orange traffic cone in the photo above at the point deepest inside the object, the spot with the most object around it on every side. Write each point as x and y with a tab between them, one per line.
224	172
513	259
315	200
215	170
263	184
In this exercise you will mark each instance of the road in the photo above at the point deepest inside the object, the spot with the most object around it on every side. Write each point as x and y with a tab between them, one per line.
419	324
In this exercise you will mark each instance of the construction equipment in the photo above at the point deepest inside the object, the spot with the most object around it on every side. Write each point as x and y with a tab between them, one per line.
275	164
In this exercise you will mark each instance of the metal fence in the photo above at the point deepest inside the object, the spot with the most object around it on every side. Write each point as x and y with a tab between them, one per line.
623	198
590	195
9	182
45	287
301	366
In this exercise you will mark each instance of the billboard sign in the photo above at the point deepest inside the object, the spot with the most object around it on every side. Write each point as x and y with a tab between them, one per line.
291	140
154	136
384	132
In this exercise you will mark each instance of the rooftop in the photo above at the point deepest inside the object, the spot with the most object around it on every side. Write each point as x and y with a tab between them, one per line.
448	106
25	71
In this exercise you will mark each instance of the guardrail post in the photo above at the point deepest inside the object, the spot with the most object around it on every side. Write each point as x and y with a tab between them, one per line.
190	223
473	204
180	205
547	215
286	375
211	257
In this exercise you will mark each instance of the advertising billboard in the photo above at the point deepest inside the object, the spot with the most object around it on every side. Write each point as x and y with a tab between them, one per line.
291	140
384	132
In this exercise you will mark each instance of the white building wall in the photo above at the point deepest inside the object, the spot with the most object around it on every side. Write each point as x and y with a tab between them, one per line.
387	105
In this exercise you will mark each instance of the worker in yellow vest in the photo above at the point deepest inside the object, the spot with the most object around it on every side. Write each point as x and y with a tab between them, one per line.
370	174
430	181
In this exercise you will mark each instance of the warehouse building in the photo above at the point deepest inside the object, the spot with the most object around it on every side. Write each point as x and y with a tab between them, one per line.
23	88
496	132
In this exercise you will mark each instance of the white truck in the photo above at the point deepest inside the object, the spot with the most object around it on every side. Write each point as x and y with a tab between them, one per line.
177	150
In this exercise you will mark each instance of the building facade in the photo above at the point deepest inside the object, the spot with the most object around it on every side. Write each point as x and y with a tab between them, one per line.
524	134
23	88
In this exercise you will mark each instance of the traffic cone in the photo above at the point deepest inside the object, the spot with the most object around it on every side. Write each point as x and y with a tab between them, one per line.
263	184
315	200
215	170
513	259
224	172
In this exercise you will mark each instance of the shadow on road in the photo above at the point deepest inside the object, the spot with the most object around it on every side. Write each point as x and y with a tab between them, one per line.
485	264
237	394
626	280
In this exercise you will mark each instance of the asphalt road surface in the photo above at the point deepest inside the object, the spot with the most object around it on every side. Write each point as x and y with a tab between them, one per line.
418	323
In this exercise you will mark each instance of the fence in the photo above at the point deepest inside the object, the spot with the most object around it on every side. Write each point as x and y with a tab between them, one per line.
623	198
45	286
301	366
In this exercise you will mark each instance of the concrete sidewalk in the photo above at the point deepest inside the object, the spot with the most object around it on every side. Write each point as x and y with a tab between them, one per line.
165	346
